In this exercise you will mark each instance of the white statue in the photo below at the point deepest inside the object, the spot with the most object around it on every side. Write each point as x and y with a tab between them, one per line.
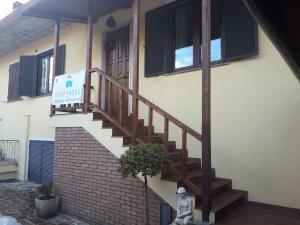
6	220
185	214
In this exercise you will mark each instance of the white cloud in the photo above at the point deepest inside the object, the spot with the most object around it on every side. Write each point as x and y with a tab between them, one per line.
6	7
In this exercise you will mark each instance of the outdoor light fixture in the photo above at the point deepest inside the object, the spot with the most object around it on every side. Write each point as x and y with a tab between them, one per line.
111	22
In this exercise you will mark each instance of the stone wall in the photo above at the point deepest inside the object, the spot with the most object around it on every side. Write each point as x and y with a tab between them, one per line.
91	188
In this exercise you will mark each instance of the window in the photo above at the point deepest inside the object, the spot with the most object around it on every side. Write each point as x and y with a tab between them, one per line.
184	37
187	35
36	72
173	35
44	72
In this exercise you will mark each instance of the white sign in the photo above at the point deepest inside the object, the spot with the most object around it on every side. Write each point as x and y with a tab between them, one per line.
68	88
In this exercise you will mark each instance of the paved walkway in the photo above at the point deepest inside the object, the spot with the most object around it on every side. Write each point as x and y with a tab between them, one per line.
17	200
258	214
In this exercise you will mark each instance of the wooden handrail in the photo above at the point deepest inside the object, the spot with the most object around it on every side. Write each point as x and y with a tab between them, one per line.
112	80
157	109
172	119
108	80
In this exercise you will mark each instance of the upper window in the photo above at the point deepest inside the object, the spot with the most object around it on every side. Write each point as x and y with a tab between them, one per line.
33	74
45	73
187	35
184	37
173	35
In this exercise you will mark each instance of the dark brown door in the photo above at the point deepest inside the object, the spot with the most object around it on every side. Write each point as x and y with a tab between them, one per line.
117	65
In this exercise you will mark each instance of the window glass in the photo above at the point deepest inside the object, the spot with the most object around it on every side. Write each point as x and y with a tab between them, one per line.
45	74
44	78
51	74
216	50
184	37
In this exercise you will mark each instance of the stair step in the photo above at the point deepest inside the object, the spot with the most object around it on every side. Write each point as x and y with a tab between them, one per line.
192	164
172	146
97	116
195	176
226	202
218	186
128	124
175	155
119	133
157	139
116	132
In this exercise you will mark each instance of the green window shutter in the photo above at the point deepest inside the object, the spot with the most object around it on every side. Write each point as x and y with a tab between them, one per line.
156	41
27	76
61	59
13	84
240	36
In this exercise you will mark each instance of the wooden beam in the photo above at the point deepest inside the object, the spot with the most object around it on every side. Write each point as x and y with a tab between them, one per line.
49	14
125	4
206	109
55	57
89	52
135	70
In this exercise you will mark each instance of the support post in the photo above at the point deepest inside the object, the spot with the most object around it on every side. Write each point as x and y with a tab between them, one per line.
89	52
206	109
55	57
135	70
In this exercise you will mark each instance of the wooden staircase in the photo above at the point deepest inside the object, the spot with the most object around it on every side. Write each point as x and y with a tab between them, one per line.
224	198
182	169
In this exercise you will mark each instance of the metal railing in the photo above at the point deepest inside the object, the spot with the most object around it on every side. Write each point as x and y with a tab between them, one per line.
9	150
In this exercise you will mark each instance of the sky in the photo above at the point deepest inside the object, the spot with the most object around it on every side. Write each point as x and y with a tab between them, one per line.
6	7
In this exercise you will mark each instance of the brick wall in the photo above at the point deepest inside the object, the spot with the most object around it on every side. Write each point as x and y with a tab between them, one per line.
86	177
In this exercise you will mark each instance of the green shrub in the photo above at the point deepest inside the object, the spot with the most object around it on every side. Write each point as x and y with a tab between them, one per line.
144	159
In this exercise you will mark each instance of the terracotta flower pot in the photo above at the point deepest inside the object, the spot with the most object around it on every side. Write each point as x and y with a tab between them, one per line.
46	207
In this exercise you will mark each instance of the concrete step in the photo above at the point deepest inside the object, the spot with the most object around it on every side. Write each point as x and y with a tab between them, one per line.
8	172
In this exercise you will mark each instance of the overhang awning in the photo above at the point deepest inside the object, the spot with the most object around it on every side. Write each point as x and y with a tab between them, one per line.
74	10
17	30
21	28
280	20
22	31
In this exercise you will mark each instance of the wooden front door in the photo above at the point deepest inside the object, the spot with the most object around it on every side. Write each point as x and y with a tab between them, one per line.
117	65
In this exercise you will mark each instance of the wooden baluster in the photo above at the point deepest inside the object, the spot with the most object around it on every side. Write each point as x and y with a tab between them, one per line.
121	112
184	152
166	134
100	92
106	82
109	98
150	124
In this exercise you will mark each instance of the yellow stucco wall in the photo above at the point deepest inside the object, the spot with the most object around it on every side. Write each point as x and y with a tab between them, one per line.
255	111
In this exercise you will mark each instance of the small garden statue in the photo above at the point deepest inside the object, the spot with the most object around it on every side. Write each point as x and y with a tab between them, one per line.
185	215
7	220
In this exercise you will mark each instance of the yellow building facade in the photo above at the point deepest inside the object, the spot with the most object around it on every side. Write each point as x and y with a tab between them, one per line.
255	109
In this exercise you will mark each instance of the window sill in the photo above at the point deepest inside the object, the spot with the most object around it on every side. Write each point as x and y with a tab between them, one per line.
24	98
41	96
15	100
213	65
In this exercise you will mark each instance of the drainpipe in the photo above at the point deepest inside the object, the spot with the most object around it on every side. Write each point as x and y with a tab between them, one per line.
27	135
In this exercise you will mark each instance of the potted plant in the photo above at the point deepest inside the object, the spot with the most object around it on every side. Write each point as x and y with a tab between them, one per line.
46	205
147	159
